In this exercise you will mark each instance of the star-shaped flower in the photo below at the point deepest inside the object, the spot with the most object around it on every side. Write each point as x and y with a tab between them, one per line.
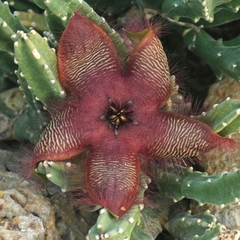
116	110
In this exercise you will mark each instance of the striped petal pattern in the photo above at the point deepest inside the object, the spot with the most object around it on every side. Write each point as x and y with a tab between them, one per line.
86	55
62	138
112	180
148	68
180	137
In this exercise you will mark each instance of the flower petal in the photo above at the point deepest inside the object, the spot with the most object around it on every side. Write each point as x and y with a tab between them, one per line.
112	180
178	137
86	55
62	138
148	70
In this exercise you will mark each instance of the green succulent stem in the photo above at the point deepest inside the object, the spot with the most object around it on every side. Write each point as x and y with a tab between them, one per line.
221	56
201	226
200	186
223	118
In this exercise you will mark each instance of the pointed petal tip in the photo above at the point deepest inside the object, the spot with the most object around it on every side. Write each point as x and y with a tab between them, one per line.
81	51
112	183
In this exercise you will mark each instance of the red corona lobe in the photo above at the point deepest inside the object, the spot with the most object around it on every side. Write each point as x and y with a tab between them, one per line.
114	111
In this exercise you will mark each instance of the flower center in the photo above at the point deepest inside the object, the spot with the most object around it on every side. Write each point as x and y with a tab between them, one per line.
118	115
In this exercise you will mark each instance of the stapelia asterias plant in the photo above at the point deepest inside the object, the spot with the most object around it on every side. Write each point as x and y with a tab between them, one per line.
117	110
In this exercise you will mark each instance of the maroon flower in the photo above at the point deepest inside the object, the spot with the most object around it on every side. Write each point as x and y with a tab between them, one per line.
114	109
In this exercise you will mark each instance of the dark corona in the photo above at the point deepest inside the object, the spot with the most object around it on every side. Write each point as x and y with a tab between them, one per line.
118	115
